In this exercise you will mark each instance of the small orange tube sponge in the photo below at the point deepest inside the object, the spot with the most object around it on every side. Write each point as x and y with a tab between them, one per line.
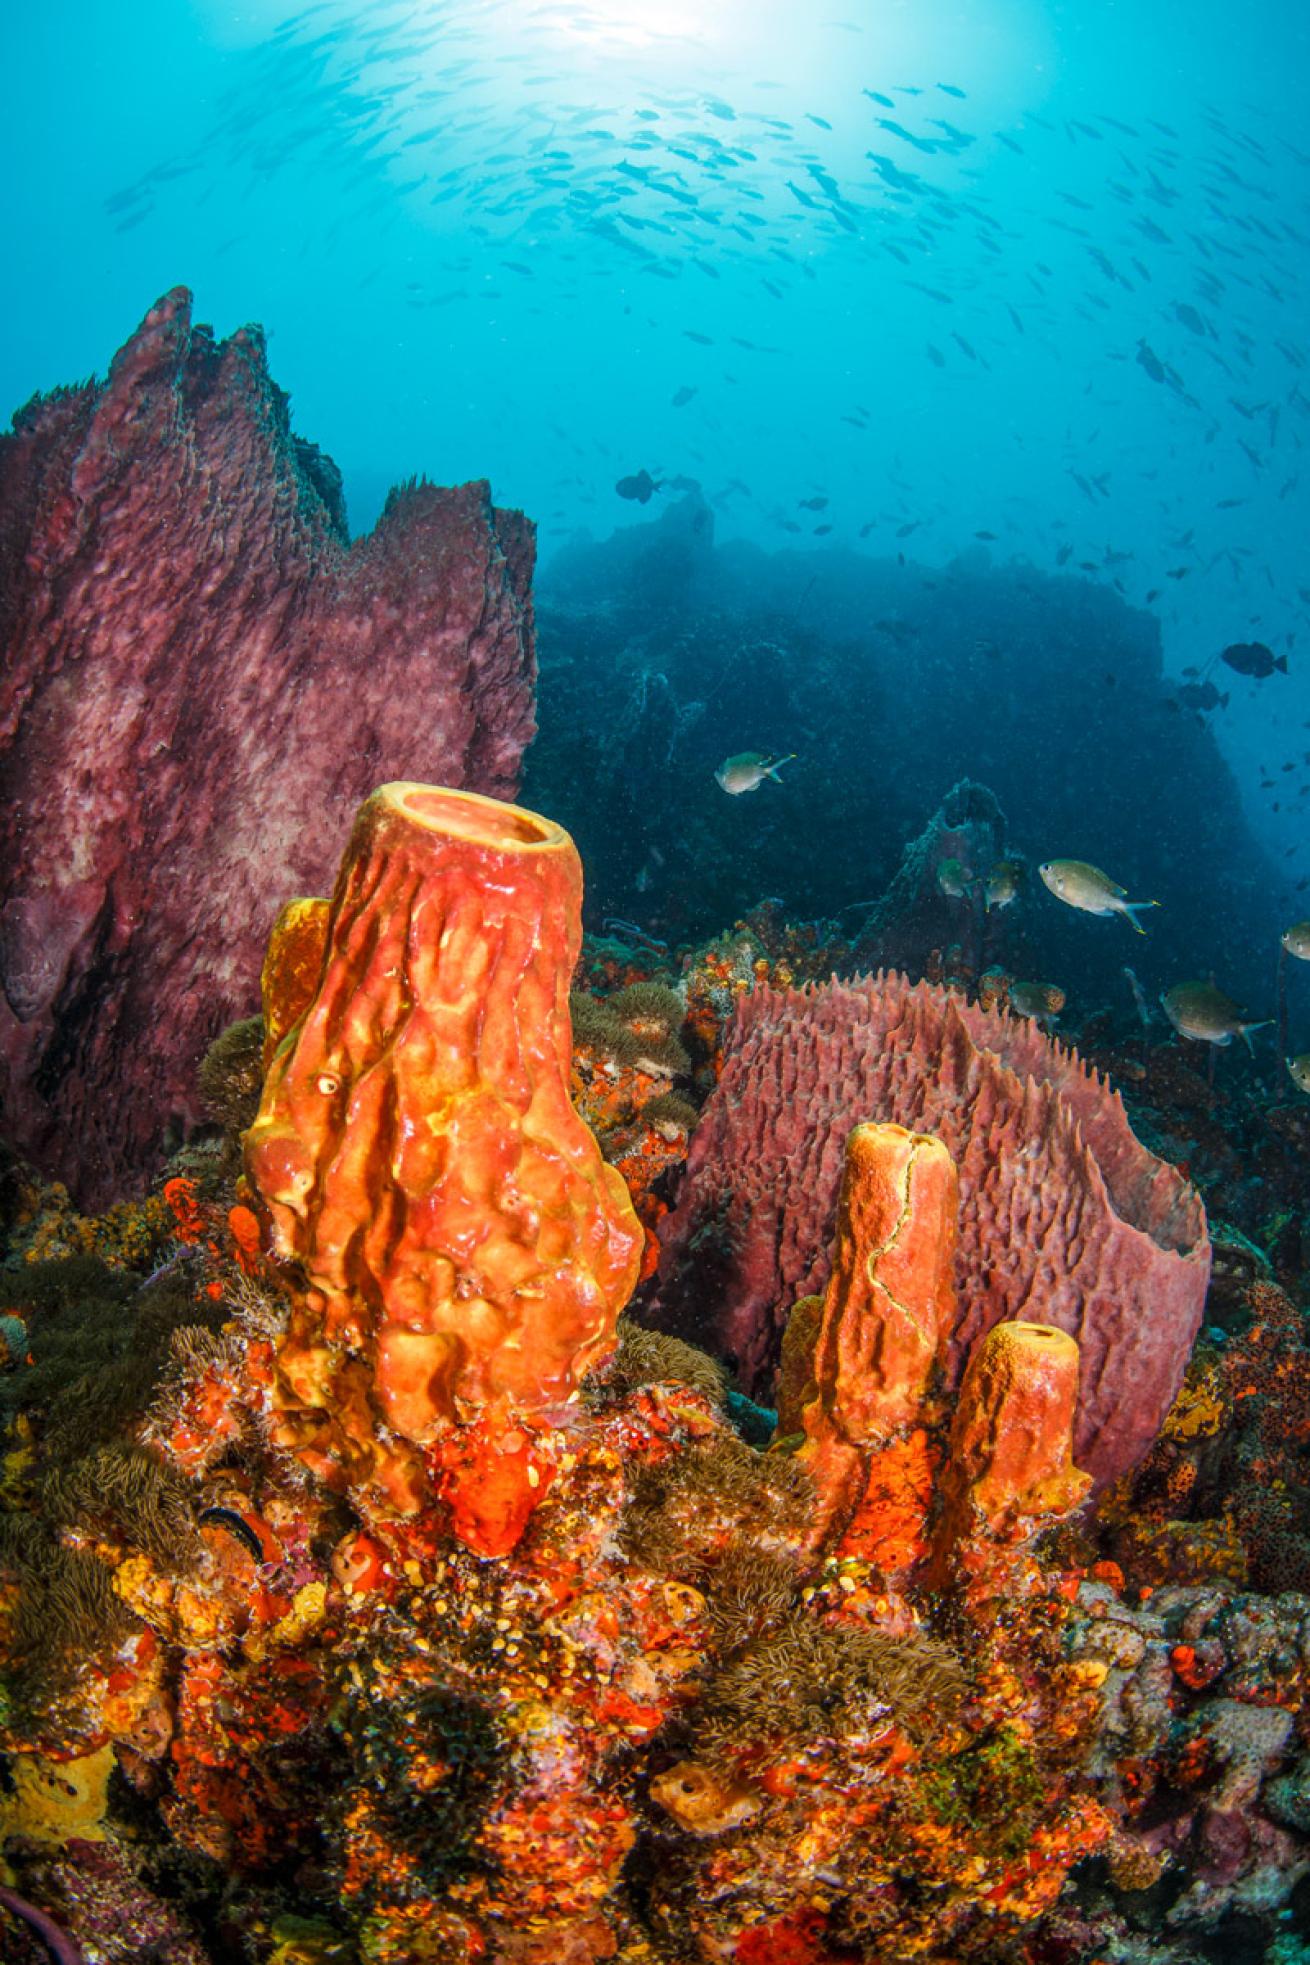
466	1250
1010	1465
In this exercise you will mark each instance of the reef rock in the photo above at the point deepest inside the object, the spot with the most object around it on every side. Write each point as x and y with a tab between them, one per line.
914	915
1065	1218
203	678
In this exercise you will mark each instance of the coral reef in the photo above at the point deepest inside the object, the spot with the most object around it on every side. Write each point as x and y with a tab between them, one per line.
670	1666
1065	1218
180	602
1224	1491
1206	1700
628	1055
374	1592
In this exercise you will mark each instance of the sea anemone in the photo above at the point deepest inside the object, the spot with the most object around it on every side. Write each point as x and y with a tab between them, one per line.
670	1114
231	1075
651	1357
806	1681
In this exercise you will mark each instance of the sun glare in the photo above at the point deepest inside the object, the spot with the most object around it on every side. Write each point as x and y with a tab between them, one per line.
633	24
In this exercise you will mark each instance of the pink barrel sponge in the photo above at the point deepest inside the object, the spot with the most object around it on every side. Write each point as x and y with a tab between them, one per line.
1065	1218
204	677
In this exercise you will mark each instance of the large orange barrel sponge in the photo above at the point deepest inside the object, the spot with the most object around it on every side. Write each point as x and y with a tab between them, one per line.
464	1248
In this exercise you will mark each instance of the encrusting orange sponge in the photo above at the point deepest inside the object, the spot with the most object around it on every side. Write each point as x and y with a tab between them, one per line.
465	1249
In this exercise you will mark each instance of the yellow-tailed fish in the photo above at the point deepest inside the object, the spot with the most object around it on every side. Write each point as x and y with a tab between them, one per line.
1200	1011
1085	887
747	771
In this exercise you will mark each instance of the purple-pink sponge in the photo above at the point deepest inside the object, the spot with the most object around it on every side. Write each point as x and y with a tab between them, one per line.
1065	1218
203	679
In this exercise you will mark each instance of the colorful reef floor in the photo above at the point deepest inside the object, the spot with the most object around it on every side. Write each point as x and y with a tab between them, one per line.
599	1454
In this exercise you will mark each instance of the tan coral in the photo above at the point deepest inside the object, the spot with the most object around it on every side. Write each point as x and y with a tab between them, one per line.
702	1800
57	1800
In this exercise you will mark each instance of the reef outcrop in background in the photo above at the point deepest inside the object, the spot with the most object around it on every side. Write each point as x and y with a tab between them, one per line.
664	651
203	677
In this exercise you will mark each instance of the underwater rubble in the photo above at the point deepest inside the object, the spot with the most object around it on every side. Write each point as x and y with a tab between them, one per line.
377	1585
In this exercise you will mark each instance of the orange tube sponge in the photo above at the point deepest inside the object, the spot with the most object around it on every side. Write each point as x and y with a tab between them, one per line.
889	1308
465	1248
1010	1465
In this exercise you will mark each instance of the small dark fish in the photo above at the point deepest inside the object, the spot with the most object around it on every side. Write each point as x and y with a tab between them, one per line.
1150	361
1200	696
984	535
949	89
812	504
1254	659
642	487
614	924
683	397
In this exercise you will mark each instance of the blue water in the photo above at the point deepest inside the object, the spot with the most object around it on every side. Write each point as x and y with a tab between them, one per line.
998	276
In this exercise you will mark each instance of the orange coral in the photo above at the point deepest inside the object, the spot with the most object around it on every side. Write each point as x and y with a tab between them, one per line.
1010	1446
869	1355
466	1249
889	1302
